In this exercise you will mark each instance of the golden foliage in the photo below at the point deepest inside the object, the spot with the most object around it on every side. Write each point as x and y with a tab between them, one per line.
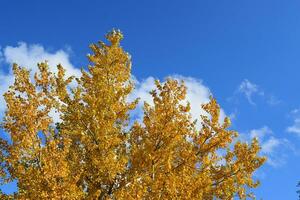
92	153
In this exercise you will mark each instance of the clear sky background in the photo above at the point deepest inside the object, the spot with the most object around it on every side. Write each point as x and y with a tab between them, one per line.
246	53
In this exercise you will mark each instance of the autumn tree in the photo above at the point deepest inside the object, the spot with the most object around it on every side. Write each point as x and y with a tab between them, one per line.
93	153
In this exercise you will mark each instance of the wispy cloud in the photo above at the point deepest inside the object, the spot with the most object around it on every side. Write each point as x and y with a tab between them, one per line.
272	100
249	90
295	127
260	133
271	146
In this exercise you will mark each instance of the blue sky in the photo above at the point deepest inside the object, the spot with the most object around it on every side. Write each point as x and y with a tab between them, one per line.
246	53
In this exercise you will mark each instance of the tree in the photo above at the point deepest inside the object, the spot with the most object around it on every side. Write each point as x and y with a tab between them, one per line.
93	153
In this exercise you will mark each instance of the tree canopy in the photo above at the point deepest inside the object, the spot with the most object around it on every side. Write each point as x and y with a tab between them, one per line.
95	151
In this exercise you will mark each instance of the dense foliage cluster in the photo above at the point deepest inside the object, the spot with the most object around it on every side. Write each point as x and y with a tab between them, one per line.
92	153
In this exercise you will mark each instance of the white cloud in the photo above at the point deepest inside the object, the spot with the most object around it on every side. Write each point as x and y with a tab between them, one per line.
295	111
249	89
28	56
272	147
142	90
273	101
295	127
1	55
260	133
6	80
197	94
